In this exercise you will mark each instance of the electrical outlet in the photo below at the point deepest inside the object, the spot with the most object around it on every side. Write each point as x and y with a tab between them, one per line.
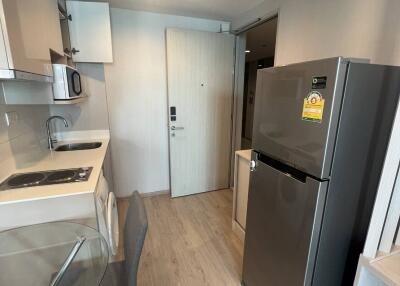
11	118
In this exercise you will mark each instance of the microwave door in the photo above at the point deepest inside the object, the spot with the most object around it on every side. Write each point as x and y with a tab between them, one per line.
74	83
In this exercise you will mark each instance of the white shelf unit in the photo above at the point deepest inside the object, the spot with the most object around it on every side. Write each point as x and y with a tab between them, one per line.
240	192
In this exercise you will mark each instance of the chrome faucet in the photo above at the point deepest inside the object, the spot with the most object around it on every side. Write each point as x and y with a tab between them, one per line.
50	140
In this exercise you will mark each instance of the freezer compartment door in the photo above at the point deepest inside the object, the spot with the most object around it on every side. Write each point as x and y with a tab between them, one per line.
283	224
297	111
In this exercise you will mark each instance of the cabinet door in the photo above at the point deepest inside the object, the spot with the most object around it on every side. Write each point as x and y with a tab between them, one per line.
90	31
25	26
53	27
4	65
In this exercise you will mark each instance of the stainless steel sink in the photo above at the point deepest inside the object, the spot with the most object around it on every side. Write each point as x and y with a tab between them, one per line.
78	146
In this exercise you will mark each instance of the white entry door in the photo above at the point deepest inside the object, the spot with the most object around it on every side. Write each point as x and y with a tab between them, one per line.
200	95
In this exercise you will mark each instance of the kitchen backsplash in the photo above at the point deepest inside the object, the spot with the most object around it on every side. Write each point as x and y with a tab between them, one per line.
22	142
92	114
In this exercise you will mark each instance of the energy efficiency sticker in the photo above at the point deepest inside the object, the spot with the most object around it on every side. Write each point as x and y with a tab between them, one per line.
313	107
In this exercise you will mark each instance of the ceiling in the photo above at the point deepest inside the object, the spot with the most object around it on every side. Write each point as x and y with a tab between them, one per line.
261	40
212	9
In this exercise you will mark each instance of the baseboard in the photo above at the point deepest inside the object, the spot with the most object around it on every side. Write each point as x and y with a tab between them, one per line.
166	192
154	194
146	195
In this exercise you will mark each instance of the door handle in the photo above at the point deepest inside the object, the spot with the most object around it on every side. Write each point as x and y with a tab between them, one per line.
177	128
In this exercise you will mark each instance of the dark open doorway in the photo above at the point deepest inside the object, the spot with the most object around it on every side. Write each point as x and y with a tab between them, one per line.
260	52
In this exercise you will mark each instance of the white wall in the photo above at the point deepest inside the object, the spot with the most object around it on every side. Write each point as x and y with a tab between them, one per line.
312	29
137	97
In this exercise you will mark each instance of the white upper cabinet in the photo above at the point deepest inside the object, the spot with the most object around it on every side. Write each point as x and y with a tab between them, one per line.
29	30
90	31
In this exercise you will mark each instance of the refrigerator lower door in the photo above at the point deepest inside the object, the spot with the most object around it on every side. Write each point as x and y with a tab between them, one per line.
283	223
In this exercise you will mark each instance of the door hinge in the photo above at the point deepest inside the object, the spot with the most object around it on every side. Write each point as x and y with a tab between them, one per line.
74	51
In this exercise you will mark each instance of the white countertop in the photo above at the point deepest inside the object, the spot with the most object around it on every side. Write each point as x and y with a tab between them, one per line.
62	160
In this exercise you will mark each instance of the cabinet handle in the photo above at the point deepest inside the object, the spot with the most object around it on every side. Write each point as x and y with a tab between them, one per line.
74	51
69	17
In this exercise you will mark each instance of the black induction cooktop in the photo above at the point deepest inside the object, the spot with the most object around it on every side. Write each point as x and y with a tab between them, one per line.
23	180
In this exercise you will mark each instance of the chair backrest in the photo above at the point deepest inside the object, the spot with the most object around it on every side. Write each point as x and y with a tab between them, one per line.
134	236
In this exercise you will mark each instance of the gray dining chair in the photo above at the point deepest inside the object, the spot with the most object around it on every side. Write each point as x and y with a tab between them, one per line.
124	273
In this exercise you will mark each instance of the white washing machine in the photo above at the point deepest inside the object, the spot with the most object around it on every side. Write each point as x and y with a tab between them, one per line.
107	214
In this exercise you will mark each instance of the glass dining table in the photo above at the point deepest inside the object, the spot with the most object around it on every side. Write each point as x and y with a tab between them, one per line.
56	253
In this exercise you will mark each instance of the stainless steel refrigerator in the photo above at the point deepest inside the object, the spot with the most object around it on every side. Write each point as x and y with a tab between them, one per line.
320	134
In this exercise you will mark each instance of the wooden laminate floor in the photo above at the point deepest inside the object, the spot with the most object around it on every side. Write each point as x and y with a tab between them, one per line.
190	241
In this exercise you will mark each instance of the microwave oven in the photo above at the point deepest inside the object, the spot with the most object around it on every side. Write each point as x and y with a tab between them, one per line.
67	83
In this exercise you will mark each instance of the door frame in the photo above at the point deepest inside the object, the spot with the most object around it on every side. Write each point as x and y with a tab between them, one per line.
233	104
238	95
238	92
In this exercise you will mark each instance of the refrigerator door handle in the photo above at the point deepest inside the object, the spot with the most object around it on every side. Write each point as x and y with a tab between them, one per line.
280	167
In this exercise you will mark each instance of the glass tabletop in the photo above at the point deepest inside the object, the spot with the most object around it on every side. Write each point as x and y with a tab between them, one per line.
57	253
